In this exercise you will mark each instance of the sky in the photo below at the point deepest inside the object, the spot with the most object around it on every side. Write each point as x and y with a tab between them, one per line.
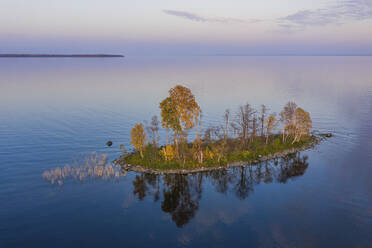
192	27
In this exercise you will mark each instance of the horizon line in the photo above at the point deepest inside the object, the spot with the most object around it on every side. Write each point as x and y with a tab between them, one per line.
175	55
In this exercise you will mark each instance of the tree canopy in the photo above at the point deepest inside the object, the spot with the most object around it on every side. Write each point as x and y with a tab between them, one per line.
180	110
138	138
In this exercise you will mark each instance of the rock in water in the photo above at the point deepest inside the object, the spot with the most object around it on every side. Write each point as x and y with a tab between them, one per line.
109	143
327	135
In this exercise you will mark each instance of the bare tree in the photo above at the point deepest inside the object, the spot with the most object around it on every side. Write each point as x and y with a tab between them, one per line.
262	118
254	127
208	135
214	133
243	120
152	128
155	129
226	119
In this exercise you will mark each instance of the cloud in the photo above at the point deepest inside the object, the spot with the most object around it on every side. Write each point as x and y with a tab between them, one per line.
198	18
186	15
337	13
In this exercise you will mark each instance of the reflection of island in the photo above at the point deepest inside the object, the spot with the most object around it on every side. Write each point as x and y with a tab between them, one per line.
180	194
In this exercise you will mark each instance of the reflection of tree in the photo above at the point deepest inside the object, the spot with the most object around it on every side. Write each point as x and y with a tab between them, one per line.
180	194
244	183
181	197
292	166
140	186
221	180
268	173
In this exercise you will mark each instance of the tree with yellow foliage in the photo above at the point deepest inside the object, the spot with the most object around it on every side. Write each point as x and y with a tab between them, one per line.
303	124
271	124
218	150
138	138
209	153
180	111
287	117
167	152
169	119
197	150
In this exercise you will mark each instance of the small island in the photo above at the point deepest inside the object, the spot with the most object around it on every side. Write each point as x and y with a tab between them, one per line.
247	137
61	56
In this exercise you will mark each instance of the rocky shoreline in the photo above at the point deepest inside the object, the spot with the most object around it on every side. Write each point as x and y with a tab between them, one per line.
137	168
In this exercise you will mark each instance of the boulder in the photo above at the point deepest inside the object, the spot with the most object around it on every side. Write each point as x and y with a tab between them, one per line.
327	135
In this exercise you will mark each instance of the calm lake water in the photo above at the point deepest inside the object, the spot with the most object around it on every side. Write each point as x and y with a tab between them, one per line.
57	112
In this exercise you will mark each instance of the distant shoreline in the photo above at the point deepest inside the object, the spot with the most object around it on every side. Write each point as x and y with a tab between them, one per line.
61	56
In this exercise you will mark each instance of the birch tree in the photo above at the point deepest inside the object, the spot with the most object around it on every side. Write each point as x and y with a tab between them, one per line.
180	112
138	138
271	124
287	117
303	124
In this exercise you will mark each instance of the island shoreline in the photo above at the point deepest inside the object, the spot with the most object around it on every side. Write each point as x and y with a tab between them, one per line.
138	168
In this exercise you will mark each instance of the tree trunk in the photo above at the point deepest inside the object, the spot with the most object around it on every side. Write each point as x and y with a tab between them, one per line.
167	136
226	129
176	143
267	133
295	139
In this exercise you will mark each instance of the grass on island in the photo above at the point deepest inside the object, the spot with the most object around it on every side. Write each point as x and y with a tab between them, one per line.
233	151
